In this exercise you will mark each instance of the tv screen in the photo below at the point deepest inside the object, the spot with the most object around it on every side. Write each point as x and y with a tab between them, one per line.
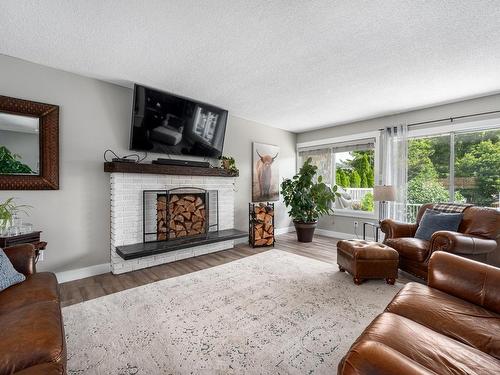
169	124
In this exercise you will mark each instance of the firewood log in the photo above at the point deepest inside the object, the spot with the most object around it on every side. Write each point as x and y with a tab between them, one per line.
162	236
190	207
179	218
181	233
188	225
187	215
197	225
172	224
261	216
260	242
161	205
193	232
270	241
267	227
178	210
179	227
258	226
198	213
181	202
195	218
266	234
189	198
171	234
198	202
174	198
257	235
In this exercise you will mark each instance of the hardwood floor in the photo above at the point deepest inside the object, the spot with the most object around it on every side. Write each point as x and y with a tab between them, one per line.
322	248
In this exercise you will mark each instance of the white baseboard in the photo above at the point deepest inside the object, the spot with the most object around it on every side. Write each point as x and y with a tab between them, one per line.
82	273
340	235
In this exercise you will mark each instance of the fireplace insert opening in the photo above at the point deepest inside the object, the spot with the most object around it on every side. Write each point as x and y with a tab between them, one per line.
179	213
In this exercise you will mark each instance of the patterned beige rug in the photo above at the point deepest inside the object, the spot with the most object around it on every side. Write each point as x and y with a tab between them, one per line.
271	313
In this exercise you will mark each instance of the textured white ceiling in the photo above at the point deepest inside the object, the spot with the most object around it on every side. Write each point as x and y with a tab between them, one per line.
291	64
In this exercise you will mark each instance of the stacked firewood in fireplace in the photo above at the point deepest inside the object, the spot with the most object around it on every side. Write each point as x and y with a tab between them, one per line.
261	224
185	217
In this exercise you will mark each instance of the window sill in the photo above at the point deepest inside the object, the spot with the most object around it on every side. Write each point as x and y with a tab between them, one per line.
354	213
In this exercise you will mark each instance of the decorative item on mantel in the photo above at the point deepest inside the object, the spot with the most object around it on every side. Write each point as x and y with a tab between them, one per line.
261	224
229	164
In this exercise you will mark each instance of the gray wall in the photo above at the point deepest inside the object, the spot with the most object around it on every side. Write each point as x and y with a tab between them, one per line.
485	104
239	137
95	116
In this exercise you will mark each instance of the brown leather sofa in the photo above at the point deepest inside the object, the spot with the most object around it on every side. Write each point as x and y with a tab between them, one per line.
477	238
451	326
32	332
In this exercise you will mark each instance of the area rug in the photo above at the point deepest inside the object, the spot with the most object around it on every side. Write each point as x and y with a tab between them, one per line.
270	313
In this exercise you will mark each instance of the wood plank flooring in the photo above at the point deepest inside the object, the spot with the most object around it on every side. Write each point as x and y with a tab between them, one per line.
322	248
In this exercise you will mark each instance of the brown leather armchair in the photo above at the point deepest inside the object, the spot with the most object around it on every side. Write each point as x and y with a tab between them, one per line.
33	340
477	238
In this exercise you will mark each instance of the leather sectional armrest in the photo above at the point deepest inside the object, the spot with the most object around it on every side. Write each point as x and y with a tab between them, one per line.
466	279
22	258
396	229
369	357
459	243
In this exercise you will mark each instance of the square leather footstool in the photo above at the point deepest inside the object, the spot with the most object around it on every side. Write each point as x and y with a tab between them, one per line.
368	260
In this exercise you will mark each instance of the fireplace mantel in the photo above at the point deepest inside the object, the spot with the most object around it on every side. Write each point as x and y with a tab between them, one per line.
113	167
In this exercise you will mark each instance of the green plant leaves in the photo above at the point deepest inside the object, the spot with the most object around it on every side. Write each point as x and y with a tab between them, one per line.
308	200
9	163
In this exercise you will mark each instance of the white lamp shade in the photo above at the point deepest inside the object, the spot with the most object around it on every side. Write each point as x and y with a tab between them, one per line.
384	193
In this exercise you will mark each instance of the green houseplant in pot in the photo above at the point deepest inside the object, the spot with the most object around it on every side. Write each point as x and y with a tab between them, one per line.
307	200
8	211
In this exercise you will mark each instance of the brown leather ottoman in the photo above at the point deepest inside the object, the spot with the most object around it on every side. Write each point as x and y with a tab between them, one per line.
367	260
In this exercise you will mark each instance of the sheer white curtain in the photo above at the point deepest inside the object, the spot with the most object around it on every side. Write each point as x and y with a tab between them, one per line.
394	167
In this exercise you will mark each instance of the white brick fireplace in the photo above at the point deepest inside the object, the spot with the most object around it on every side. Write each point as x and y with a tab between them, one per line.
127	215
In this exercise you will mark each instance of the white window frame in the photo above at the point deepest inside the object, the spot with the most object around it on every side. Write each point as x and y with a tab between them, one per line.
342	139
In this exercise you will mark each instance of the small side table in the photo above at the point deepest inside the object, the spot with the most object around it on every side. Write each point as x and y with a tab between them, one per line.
375	226
32	238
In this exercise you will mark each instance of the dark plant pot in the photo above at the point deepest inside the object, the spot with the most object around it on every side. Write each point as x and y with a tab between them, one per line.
305	231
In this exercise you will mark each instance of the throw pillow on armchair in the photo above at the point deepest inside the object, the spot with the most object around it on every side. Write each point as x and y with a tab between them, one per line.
433	221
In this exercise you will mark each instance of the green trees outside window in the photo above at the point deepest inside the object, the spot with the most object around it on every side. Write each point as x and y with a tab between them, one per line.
355	169
476	177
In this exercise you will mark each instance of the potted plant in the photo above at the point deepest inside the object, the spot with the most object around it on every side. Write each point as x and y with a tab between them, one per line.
8	211
307	200
229	164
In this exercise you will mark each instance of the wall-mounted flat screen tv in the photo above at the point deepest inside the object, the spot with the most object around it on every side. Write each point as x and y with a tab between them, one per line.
170	124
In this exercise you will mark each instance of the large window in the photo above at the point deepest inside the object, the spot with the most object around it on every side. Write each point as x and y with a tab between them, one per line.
454	167
350	166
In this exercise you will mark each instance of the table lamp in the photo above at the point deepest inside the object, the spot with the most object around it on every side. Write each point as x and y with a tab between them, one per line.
384	194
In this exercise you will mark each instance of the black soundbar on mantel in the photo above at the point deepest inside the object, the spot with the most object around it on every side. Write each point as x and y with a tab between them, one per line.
184	163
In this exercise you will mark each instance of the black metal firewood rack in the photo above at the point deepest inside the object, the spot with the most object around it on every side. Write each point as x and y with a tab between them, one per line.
261	224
